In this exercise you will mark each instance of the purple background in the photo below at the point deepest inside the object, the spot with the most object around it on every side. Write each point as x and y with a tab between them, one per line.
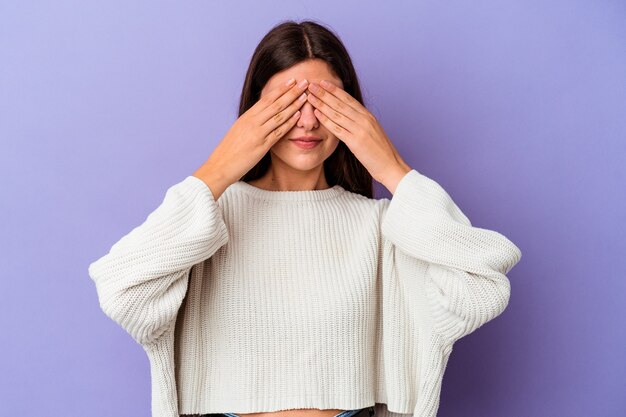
517	108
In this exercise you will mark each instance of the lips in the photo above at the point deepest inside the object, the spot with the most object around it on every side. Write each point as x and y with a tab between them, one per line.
307	138
306	143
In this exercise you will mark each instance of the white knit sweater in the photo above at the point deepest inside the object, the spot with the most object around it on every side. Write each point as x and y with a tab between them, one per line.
269	300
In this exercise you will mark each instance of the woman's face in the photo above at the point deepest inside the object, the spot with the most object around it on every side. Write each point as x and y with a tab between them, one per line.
286	151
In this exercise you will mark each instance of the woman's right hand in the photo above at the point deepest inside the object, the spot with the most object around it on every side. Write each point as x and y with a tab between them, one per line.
252	135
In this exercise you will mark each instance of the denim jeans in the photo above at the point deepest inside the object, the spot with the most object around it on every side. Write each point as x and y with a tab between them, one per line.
363	412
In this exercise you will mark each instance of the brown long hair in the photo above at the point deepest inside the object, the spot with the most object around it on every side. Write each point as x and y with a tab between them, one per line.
287	44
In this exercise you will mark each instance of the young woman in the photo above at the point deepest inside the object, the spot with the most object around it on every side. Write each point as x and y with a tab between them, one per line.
270	283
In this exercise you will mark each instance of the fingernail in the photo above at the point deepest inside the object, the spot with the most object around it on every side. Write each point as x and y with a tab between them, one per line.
302	83
325	84
290	81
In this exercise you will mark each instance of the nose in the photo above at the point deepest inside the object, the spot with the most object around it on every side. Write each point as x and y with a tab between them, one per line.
307	119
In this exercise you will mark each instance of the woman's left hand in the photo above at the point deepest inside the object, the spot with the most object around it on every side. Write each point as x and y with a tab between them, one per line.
359	129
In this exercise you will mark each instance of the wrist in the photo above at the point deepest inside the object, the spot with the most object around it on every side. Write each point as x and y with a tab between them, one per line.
395	175
213	178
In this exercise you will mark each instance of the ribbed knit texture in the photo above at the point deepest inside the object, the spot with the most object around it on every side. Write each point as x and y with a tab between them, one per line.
270	300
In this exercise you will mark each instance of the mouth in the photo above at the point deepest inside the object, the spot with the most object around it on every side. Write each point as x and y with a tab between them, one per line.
307	138
306	142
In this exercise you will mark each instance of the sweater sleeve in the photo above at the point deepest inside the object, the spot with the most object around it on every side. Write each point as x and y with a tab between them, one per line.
464	267
142	281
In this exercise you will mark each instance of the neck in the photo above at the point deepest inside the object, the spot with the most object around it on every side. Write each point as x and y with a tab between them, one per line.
289	179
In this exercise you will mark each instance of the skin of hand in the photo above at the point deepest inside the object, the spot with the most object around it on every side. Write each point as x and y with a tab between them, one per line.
252	135
359	129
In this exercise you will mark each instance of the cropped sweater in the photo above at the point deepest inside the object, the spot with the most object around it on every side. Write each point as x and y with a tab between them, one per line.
269	300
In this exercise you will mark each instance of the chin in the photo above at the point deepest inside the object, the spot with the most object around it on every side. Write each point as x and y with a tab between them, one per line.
299	162
303	164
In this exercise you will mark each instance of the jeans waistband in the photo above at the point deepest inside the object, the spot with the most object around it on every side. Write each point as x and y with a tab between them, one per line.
361	412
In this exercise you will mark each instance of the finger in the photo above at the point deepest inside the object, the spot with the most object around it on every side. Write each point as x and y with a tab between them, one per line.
279	118
335	116
333	101
333	127
272	96
342	95
276	134
281	103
